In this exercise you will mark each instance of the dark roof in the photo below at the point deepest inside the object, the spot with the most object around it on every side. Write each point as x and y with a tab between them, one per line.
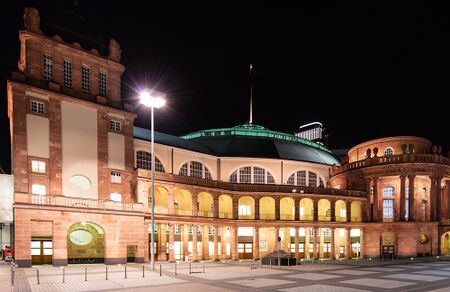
246	141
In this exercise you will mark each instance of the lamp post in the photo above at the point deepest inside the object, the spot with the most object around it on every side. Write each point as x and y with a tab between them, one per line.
153	100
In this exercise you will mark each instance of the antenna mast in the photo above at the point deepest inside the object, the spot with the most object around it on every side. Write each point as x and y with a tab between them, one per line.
251	95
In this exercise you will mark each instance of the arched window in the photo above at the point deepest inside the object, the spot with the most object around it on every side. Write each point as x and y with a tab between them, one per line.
144	161
195	169
388	191
252	174
388	151
300	178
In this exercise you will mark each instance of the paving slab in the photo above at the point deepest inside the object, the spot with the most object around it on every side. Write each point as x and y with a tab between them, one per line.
434	272
321	288
378	283
260	282
353	272
415	277
383	269
313	276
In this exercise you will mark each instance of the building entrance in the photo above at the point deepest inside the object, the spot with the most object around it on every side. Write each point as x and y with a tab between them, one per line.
41	251
356	250
388	251
245	250
327	250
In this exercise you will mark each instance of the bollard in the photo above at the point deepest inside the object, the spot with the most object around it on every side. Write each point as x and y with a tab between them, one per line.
106	273
260	264
160	270
270	262
12	275
37	274
203	267
251	268
85	274
190	270
64	275
142	271
125	271
288	262
176	269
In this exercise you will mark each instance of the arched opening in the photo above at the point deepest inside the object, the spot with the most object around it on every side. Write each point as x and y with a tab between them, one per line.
340	210
205	204
287	209
267	208
161	200
445	248
225	207
306	209
182	202
324	210
246	208
356	212
85	243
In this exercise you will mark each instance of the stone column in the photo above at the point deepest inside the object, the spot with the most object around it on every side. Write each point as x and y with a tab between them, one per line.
306	248
411	215
348	244
235	201
162	243
194	242
348	211
315	243
402	197
296	242
321	240
194	204
361	243
277	208
185	240
297	209
216	242
216	205
435	197
234	243
316	209
257	201
333	252
256	243
333	210
59	243
205	242
375	211
171	244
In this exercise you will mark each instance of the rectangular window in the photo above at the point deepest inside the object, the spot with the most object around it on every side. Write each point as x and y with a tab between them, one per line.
259	175
245	175
177	229
37	107
211	230
102	84
115	125
327	232
196	169
85	79
116	177
67	74
244	210
301	178
311	231
191	229
38	166
312	179
48	67
37	189
117	197
388	210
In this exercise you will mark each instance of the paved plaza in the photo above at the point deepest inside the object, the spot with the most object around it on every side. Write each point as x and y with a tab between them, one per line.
235	276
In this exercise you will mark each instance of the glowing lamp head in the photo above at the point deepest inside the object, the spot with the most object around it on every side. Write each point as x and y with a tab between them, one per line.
152	98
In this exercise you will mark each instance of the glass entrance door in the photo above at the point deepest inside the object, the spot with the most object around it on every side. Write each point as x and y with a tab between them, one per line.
388	251
245	250
326	250
41	252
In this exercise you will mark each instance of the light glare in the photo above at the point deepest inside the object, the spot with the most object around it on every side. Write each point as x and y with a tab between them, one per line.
152	99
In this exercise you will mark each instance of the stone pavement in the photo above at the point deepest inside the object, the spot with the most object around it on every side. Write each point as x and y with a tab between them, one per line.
237	276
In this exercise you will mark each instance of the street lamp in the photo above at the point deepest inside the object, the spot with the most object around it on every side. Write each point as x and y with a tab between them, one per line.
152	99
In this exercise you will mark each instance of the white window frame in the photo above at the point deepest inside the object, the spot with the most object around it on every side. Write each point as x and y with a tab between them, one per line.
48	67
67	73
116	177
85	79
390	151
37	107
38	189
38	166
115	125
116	197
102	83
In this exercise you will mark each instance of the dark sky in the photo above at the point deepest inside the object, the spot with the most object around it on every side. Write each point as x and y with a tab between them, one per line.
365	69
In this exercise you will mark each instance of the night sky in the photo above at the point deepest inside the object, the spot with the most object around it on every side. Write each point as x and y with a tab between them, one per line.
365	70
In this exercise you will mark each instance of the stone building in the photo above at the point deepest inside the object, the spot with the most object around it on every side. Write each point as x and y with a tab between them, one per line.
82	178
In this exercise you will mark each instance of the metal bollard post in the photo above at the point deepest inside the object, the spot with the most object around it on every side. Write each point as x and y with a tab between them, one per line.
260	264
270	262
288	262
142	271
190	269
37	274
160	270
12	275
203	267
64	275
106	273
125	271
85	274
176	269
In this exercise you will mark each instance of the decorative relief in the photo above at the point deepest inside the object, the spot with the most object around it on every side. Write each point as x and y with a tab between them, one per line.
388	239
422	238
114	50
31	19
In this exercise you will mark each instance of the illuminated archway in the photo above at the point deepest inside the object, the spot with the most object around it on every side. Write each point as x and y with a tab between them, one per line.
356	211
161	200
340	211
267	208
287	209
445	245
246	208
205	204
306	209
225	207
183	202
324	210
85	243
